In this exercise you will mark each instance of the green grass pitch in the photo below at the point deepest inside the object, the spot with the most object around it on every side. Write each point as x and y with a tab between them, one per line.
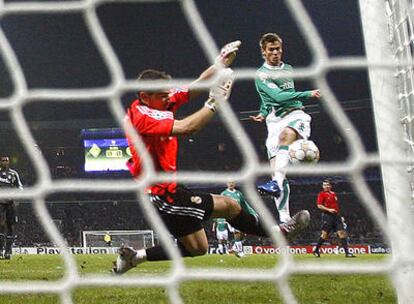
315	289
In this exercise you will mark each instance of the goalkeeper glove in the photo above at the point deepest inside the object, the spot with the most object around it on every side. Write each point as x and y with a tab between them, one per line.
220	91
227	54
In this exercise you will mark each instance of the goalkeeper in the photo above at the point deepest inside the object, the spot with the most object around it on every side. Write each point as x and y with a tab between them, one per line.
182	210
281	106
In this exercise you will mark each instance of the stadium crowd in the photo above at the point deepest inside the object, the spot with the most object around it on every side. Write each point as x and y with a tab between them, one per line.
74	213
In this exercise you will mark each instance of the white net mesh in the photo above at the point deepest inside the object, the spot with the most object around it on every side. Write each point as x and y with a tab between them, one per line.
400	16
353	167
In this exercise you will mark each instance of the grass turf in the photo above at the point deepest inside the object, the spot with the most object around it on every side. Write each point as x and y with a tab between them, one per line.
316	289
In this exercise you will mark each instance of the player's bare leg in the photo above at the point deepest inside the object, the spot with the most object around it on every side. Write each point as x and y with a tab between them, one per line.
250	224
2	239
191	245
2	235
343	237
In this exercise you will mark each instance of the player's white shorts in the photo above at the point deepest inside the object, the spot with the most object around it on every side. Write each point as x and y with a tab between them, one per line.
222	235
297	120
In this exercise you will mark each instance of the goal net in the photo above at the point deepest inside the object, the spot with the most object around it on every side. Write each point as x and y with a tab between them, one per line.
134	238
390	72
401	31
392	97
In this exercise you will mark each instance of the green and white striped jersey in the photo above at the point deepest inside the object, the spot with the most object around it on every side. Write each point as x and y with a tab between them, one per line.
276	89
221	224
240	199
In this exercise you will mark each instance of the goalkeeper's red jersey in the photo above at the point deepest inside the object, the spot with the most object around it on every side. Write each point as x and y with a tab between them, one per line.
328	199
154	127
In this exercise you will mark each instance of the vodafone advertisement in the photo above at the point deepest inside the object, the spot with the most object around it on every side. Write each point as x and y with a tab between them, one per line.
307	249
355	249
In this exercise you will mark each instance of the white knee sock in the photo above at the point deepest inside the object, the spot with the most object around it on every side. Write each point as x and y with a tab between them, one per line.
282	203
279	175
239	246
281	163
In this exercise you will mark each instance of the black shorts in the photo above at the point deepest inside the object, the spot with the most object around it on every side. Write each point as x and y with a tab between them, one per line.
7	213
187	212
331	222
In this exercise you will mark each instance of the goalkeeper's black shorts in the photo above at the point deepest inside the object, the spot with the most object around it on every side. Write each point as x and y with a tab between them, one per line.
187	212
7	213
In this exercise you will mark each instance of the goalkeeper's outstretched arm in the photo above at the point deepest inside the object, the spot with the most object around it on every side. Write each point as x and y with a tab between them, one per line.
224	59
196	121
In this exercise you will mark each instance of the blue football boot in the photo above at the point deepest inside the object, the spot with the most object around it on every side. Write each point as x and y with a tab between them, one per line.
271	188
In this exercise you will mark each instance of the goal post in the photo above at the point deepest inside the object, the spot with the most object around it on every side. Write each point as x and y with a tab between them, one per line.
135	238
392	98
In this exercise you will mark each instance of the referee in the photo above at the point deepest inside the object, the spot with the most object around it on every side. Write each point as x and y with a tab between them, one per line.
327	202
9	178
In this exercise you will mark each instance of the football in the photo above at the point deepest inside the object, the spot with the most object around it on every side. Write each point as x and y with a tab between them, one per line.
303	150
